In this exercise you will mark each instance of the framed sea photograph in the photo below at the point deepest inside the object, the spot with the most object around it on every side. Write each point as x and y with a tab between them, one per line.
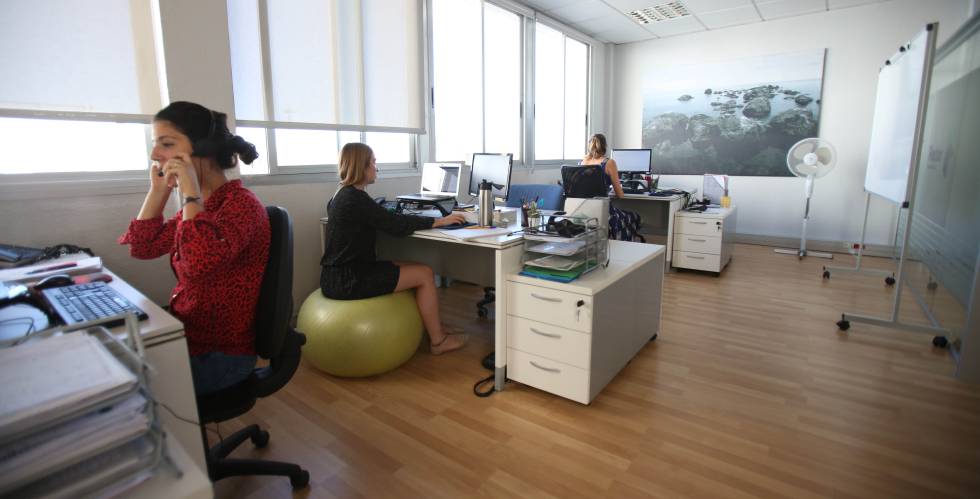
734	118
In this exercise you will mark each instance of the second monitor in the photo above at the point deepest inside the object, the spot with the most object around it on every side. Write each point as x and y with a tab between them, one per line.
632	160
493	167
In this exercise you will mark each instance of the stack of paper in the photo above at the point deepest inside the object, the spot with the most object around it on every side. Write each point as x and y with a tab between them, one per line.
72	265
65	400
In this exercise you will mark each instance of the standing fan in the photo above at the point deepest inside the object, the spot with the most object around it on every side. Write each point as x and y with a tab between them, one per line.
809	159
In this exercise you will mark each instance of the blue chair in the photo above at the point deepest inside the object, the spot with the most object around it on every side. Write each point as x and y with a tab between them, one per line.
550	197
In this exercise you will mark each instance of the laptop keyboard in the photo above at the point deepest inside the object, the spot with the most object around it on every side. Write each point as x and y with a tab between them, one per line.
91	301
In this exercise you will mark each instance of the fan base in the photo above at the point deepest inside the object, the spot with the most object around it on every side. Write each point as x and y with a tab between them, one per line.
803	253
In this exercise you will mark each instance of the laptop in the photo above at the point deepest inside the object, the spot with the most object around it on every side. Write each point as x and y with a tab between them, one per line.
439	182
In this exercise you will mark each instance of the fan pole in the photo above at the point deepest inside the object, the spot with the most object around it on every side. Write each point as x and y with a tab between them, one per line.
802	252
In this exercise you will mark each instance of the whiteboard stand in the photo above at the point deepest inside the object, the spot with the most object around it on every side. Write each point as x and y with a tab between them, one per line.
913	61
889	274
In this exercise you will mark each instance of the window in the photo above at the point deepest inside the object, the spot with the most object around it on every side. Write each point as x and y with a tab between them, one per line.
302	69
95	90
561	95
476	100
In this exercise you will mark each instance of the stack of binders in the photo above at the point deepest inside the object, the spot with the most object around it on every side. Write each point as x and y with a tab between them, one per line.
73	420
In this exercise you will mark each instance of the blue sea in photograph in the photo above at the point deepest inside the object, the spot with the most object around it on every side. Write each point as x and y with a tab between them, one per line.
735	129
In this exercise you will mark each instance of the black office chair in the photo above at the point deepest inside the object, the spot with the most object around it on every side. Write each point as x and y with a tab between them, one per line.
276	341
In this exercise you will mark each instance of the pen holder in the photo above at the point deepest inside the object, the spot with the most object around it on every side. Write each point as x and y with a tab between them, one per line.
524	217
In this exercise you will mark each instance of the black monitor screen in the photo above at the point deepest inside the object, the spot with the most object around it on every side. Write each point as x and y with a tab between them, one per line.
493	167
632	160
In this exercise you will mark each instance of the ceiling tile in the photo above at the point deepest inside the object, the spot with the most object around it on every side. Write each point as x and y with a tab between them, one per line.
843	4
730	17
625	35
545	5
700	6
609	22
787	8
677	26
580	11
631	5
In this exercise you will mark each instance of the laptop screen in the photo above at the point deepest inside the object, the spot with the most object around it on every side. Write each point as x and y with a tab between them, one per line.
440	178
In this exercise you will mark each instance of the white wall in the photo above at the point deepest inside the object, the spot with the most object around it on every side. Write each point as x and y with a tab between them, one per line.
858	40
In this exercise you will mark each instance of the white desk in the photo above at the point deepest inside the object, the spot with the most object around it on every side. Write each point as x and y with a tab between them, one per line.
171	384
656	213
486	261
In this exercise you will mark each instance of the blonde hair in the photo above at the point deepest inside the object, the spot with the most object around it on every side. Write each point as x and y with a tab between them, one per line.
597	146
355	158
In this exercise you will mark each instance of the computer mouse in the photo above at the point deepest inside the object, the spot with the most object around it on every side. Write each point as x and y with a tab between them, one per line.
54	281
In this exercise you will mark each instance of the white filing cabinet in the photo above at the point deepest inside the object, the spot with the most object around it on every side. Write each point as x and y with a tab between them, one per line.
704	240
571	339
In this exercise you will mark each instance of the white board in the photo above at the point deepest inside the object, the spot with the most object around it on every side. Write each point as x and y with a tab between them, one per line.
896	119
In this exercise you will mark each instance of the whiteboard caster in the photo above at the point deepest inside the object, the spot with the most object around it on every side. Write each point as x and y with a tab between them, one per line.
940	342
890	280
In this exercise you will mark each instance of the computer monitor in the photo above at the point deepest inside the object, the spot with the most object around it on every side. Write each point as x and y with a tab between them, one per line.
493	167
632	160
440	178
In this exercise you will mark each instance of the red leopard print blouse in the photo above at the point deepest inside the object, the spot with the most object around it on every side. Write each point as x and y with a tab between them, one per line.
219	257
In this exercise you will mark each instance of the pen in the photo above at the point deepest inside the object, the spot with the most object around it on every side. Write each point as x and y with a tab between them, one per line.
53	267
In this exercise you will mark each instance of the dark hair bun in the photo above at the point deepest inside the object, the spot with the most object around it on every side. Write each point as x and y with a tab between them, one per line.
246	150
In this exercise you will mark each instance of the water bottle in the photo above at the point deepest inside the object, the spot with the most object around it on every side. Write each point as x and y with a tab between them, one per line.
486	202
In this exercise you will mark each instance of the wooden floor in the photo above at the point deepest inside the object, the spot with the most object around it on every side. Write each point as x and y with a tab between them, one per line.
750	391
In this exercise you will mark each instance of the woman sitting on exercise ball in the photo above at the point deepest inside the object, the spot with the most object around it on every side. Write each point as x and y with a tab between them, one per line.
350	268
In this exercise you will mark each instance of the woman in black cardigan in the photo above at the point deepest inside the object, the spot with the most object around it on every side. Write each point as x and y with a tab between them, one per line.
350	268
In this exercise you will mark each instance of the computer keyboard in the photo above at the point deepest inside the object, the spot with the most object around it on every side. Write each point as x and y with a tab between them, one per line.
86	302
13	254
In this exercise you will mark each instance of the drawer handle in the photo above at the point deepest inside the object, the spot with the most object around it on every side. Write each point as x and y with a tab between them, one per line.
696	257
549	335
546	298
700	223
696	240
549	369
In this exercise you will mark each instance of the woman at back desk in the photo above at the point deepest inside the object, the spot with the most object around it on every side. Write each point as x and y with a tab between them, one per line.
623	225
350	269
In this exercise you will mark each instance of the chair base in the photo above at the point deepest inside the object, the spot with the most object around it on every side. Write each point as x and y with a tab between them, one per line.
220	466
489	296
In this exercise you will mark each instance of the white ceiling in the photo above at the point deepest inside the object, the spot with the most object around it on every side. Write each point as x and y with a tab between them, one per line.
606	20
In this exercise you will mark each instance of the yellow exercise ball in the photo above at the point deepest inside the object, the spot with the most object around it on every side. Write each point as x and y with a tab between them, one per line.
354	338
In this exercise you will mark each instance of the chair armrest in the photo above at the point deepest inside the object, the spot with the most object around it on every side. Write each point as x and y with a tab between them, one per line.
281	369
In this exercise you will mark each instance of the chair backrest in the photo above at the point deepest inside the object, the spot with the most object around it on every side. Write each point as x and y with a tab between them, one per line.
275	305
550	195
584	181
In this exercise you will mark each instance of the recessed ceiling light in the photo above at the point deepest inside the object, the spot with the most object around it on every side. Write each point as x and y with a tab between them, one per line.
662	12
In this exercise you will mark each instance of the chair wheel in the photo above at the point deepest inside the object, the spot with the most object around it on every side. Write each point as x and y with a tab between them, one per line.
299	480
261	439
932	285
940	341
843	325
889	280
482	312
654	337
826	274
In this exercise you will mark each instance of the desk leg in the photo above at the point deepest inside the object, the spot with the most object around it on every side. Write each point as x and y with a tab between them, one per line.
507	261
674	207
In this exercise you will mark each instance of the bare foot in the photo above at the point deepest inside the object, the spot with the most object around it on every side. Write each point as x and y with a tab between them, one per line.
450	342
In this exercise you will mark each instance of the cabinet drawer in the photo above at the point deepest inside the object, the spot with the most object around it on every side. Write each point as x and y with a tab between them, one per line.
697	244
698	226
551	342
545	374
558	308
696	261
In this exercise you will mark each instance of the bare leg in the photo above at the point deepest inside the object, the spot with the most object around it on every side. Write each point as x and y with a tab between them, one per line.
421	278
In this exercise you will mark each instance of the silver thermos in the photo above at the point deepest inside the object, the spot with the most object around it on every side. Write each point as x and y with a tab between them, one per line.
486	202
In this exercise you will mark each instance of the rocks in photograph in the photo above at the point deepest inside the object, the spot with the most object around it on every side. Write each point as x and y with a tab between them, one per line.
803	99
707	91
668	127
793	125
702	130
685	98
757	108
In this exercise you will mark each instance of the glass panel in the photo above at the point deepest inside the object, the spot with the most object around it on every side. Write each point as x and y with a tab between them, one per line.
257	137
246	63
306	147
390	147
301	46
47	146
457	77
502	51
576	97
549	74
